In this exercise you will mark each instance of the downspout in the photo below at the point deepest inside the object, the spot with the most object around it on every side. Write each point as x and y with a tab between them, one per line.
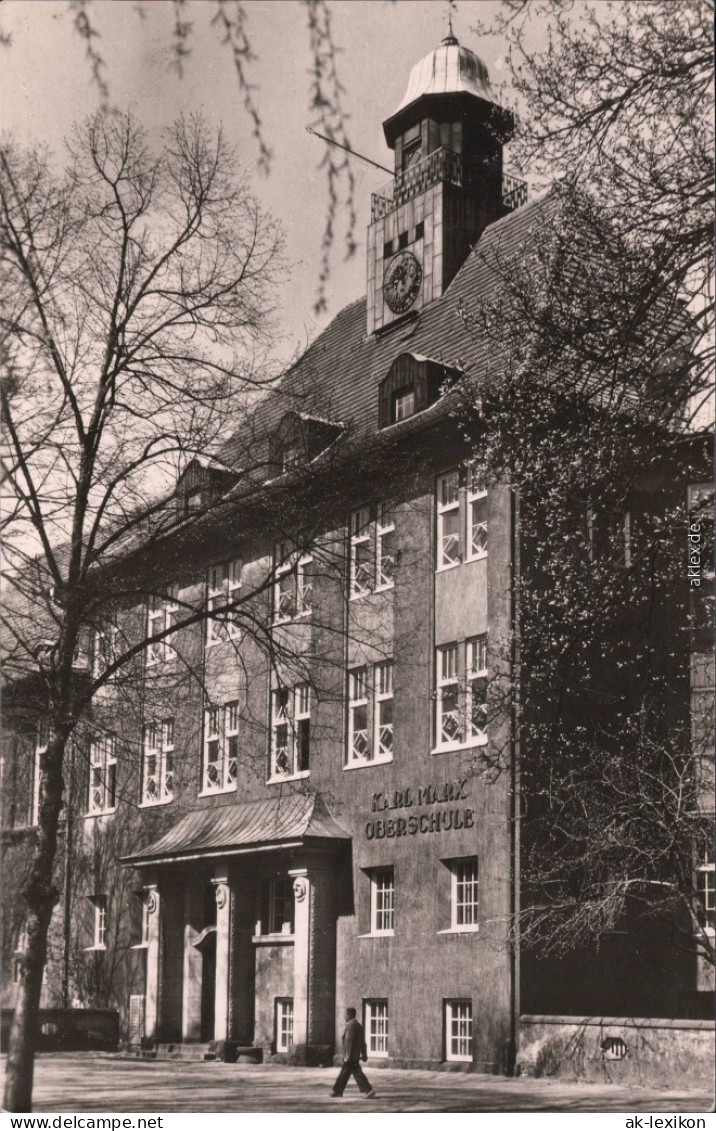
67	880
514	802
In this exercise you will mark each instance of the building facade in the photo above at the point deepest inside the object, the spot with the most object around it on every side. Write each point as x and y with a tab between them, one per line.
264	827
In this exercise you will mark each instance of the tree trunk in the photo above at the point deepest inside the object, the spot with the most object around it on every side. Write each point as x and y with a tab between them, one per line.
40	896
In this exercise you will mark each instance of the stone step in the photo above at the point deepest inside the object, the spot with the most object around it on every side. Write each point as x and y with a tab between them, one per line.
193	1051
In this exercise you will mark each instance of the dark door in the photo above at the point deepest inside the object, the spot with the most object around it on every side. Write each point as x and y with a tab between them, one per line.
208	987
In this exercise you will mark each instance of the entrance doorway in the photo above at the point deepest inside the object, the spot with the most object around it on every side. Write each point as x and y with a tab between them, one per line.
208	985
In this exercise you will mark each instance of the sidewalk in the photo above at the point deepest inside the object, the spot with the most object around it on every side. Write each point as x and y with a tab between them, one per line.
96	1082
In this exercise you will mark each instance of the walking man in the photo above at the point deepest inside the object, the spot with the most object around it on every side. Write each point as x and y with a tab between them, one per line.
354	1051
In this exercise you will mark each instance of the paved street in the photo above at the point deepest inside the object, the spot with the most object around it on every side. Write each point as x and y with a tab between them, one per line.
92	1082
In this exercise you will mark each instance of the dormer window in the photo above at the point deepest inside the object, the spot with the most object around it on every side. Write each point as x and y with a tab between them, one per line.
298	439
412	384
202	482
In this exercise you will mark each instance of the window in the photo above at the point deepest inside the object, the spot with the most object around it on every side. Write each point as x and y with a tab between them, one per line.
221	748
102	648
277	908
224	583
41	740
158	762
99	928
18	958
706	881
461	517
293	587
464	895
373	552
361	556
403	404
383	738
370	714
448	520
358	744
458	1030
385	548
476	515
103	775
461	693
412	147
382	901
449	729
375	1024
284	1023
162	613
290	731
477	685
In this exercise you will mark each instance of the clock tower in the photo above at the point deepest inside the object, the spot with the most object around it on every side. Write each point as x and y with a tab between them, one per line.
447	136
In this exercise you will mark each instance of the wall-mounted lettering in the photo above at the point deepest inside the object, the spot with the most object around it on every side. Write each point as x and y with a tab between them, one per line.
442	821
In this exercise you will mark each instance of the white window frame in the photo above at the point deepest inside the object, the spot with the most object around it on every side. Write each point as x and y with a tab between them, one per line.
457	676
706	883
103	775
476	492
293	584
448	504
304	585
404	403
284	1024
464	894
476	653
224	581
385	526
458	1030
42	736
99	922
383	732
376	1026
448	684
382	901
158	747
274	926
295	712
221	723
361	533
358	698
162	612
103	643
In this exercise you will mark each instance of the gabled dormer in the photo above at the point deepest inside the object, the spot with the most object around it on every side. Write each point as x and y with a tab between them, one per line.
201	483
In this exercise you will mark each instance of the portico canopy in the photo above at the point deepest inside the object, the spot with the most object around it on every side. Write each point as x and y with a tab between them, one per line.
296	821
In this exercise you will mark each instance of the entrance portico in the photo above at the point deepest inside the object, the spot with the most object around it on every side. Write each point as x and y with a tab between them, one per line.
241	906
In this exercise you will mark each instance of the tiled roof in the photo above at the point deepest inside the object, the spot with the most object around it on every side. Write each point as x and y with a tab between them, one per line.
338	375
278	822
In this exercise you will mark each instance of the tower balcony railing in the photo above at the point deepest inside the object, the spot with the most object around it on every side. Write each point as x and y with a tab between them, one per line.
440	166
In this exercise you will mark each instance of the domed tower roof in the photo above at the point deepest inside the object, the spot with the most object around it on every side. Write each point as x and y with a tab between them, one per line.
450	71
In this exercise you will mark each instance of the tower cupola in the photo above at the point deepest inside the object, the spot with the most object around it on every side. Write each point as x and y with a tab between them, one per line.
447	135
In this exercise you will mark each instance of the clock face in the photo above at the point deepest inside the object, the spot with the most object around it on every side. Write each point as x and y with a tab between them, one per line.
401	281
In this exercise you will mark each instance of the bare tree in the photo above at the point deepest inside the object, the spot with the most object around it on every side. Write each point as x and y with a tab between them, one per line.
137	303
231	20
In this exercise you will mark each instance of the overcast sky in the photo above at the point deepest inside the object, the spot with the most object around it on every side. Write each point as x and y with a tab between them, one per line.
45	84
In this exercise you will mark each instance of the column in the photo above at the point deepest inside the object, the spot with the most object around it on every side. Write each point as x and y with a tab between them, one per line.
191	980
222	892
314	956
303	895
153	939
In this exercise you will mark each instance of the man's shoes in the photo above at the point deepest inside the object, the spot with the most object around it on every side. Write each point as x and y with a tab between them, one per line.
337	1095
369	1095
